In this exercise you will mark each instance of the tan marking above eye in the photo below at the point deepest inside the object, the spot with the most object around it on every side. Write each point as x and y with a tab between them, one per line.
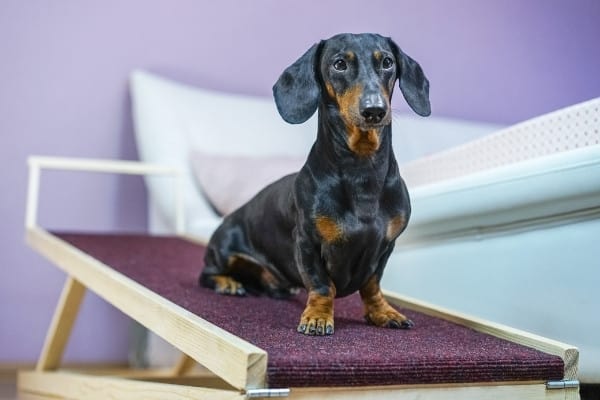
378	55
329	230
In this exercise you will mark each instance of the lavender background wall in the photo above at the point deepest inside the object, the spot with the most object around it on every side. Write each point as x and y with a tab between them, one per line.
63	91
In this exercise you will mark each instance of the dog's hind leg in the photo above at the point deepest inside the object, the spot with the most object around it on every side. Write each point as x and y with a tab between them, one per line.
240	274
223	284
216	276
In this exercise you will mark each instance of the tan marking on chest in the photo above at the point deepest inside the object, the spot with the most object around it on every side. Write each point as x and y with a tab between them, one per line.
395	226
363	143
328	229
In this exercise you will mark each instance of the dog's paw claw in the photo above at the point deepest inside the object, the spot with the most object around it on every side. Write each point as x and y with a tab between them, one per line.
393	324
406	324
317	318
316	328
391	319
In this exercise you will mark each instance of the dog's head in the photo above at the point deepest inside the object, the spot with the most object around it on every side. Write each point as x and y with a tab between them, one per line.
355	75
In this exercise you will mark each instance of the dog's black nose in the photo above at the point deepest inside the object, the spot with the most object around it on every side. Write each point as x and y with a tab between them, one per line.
373	114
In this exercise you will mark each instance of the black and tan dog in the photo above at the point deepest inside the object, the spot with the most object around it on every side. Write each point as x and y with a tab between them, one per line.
330	227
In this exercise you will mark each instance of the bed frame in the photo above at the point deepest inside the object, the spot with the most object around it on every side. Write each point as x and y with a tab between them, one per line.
238	368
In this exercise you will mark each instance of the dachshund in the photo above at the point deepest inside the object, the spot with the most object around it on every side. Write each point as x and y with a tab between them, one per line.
331	227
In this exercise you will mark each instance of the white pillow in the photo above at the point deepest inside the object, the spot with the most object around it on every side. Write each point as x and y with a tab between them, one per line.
229	181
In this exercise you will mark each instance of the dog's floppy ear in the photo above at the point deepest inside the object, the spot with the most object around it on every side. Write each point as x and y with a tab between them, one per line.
297	91
413	83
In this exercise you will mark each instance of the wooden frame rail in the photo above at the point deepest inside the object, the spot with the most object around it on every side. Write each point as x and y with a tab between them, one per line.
239	367
39	163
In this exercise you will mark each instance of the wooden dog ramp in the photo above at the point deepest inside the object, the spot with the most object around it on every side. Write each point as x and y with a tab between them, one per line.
250	344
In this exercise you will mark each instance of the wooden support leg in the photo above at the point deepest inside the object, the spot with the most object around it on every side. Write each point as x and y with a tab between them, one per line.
184	365
60	328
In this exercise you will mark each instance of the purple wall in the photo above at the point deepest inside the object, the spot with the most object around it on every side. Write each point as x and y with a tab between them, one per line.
63	91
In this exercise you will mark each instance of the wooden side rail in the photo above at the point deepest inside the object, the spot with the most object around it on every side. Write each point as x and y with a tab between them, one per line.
39	163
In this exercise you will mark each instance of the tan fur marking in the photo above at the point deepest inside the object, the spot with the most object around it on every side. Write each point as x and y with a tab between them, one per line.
330	90
363	143
226	284
318	314
268	279
329	230
348	105
377	309
395	226
377	54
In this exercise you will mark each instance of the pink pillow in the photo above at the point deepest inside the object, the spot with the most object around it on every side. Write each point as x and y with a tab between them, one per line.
230	181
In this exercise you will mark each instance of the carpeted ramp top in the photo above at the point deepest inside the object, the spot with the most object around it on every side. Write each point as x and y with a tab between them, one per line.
434	351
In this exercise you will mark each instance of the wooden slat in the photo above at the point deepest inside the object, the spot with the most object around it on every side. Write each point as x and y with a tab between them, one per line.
238	362
78	386
514	391
38	163
32	396
61	325
72	385
104	166
184	365
568	353
33	189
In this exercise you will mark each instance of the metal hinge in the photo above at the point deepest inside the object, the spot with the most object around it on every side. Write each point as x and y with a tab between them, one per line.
264	393
565	384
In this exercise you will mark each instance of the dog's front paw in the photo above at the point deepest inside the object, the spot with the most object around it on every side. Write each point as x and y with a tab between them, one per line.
378	311
387	317
317	318
318	325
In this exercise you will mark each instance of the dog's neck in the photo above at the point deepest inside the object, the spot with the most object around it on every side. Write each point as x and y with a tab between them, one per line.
364	174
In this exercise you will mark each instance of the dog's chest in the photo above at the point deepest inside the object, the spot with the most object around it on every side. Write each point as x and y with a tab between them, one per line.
354	240
358	217
352	255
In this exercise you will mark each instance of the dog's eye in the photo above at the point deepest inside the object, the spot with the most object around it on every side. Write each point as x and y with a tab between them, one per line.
387	63
340	65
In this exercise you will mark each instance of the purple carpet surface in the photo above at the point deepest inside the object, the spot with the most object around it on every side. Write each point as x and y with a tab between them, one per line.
434	351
